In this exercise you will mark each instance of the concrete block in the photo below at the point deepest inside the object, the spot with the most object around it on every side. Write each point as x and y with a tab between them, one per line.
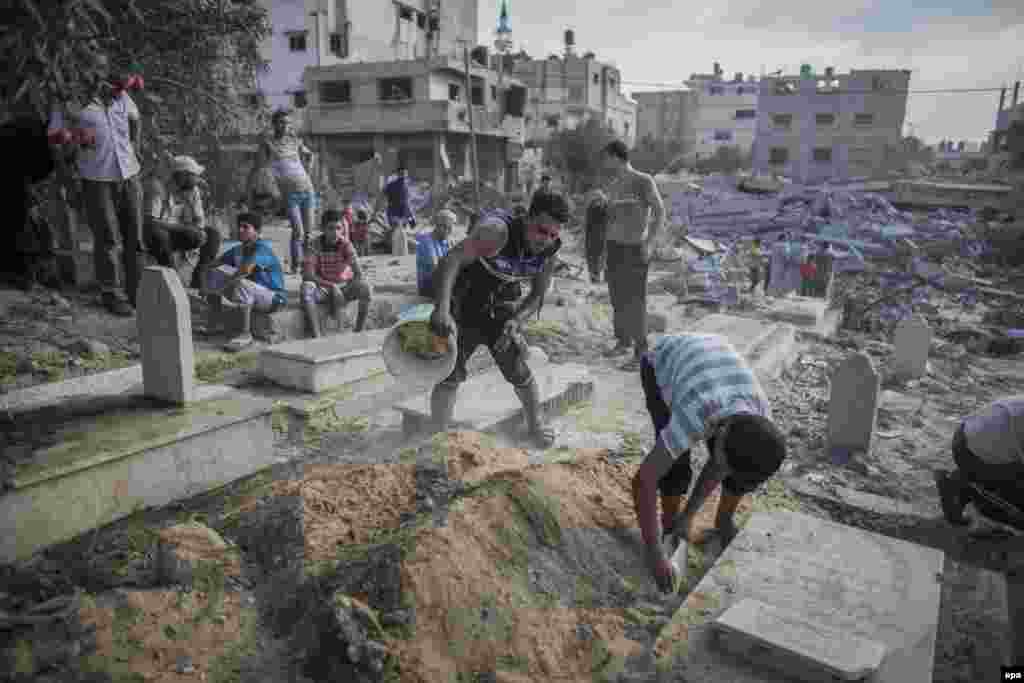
772	354
94	468
165	336
88	387
487	402
742	333
801	649
867	585
315	365
801	311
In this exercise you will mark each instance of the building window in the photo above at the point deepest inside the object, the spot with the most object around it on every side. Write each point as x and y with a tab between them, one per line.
778	155
454	92
576	93
394	89
477	96
528	120
863	119
746	114
739	90
335	92
625	128
552	121
494	93
299	99
611	82
596	79
784	121
877	83
825	119
723	135
339	45
716	90
297	41
822	154
421	20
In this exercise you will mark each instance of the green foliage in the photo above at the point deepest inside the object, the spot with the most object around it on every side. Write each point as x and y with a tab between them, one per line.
197	57
578	152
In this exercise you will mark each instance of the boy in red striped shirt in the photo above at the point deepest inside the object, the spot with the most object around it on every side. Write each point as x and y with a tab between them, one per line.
331	272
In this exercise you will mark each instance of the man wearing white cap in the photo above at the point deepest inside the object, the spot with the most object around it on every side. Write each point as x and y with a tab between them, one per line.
176	222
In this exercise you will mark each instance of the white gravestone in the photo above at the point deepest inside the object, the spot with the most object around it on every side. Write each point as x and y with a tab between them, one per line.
912	340
852	407
165	337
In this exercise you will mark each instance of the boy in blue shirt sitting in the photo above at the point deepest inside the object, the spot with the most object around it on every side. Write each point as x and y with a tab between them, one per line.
430	249
248	276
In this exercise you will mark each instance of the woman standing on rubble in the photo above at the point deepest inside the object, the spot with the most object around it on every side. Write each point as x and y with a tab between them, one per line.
287	156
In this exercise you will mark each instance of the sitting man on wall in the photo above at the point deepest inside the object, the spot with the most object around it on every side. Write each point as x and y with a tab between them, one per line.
430	249
176	222
248	276
332	273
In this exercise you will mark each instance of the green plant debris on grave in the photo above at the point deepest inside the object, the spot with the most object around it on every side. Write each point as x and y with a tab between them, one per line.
124	430
329	422
727	569
53	363
540	510
211	368
774	496
543	329
227	667
407	455
24	658
512	663
177	631
208	578
259	485
279	417
106	361
125	647
637	616
632	445
585	594
606	419
327	400
8	366
487	623
604	665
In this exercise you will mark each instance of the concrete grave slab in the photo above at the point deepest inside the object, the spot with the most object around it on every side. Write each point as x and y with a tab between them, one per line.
487	402
315	365
869	586
768	346
97	386
91	465
803	649
911	343
165	336
853	407
802	311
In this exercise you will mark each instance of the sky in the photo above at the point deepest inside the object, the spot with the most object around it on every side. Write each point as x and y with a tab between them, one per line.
946	44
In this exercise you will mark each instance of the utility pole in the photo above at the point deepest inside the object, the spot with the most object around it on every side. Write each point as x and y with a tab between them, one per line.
472	132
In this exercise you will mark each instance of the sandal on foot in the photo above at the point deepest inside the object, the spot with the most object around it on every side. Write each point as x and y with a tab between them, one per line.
239	343
617	350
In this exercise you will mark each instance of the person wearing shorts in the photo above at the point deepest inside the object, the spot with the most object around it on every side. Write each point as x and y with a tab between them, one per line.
332	274
699	388
287	155
247	277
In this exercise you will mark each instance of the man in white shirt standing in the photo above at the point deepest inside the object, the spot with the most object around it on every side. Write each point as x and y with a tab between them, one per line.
109	171
988	449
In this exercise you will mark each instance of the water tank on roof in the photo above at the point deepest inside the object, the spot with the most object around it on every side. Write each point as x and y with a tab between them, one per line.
570	37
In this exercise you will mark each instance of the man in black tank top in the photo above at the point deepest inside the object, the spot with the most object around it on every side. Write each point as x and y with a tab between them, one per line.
479	284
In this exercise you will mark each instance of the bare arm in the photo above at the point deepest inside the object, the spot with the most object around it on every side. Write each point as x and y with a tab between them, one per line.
484	242
653	198
538	288
261	160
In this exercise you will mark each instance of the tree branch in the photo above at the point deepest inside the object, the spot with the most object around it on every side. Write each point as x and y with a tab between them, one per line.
210	98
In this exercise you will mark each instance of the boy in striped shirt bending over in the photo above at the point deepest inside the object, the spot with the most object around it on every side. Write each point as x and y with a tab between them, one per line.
699	388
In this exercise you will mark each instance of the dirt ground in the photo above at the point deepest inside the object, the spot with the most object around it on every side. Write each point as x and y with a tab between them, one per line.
538	573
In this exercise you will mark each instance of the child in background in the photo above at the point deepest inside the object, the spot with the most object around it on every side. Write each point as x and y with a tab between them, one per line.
359	232
807	272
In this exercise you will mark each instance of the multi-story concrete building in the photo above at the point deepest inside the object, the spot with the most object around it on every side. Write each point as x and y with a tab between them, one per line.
666	116
566	91
725	112
707	113
829	127
311	33
419	111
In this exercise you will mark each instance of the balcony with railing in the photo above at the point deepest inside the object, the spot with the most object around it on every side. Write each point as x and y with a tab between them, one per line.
409	116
